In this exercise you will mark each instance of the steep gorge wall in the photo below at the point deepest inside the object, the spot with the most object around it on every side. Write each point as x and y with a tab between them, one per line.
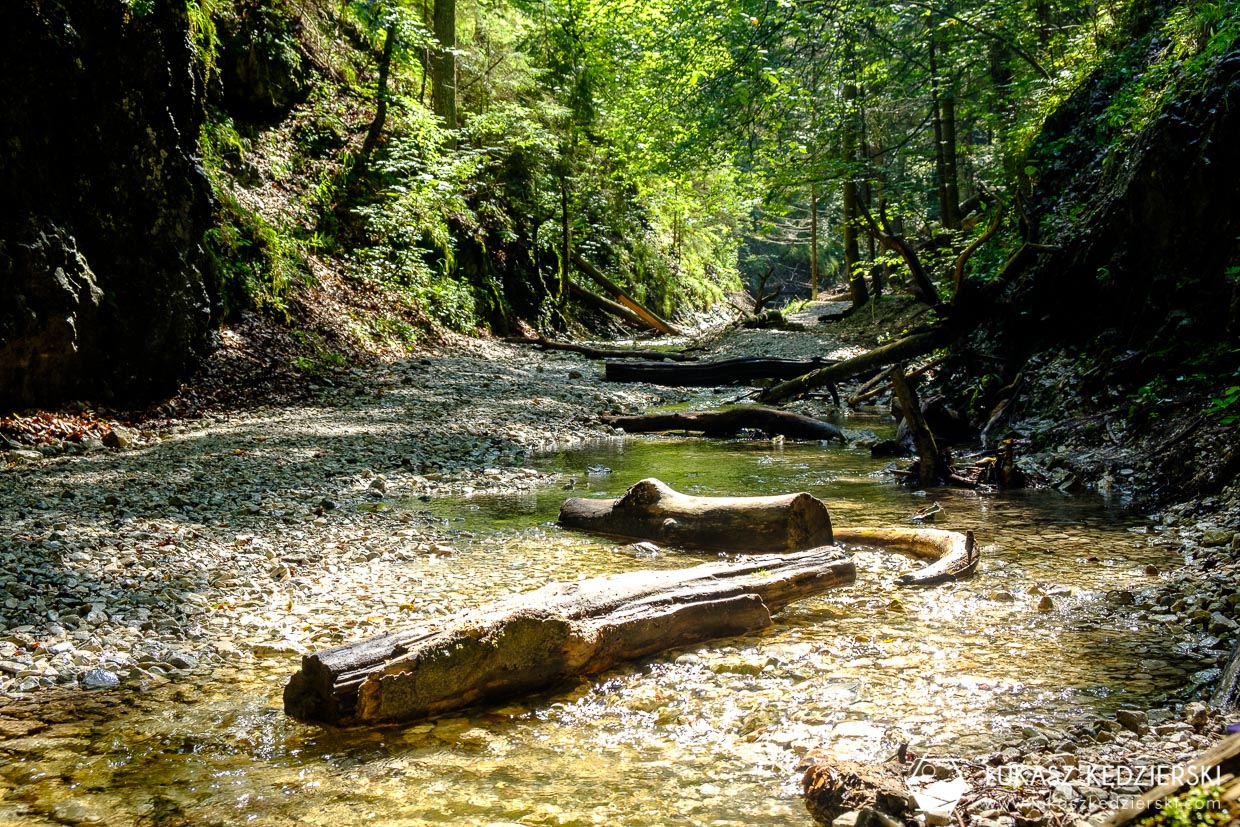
104	286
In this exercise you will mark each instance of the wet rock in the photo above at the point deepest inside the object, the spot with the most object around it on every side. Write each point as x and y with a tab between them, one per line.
100	679
1133	720
833	787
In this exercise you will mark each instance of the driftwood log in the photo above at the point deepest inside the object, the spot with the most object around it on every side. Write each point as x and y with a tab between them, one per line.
955	554
651	510
710	374
728	422
534	641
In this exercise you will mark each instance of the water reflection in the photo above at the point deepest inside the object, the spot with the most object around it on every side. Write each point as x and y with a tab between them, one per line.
705	735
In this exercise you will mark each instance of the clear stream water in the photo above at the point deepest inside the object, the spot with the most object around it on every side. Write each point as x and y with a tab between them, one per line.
709	735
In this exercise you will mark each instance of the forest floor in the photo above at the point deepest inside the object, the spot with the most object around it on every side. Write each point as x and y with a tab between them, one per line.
195	541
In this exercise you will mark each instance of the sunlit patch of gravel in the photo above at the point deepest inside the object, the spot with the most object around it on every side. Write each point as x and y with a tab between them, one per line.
266	532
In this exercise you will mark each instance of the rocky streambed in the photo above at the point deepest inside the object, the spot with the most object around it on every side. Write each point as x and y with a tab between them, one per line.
214	543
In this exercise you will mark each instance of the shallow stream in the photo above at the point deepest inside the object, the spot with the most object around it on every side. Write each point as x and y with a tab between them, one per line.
1053	627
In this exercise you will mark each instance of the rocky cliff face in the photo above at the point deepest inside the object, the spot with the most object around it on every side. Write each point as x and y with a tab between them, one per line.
104	291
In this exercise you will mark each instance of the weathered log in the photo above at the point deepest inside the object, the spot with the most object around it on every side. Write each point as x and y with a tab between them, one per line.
888	354
534	641
710	374
881	382
646	315
728	422
956	555
608	306
543	343
651	510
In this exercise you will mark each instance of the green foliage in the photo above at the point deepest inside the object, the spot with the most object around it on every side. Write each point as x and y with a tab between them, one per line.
257	263
203	34
1200	806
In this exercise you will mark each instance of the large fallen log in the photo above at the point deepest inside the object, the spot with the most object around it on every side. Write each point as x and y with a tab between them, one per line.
710	374
651	510
728	422
534	641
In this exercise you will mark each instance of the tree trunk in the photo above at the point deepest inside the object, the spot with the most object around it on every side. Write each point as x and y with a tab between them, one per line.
813	242
650	510
534	641
566	238
930	466
607	306
729	422
897	351
951	175
596	275
856	282
443	62
711	374
361	164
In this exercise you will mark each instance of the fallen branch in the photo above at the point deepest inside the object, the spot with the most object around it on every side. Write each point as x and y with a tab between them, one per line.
881	383
956	555
606	305
710	374
534	641
647	316
544	343
729	422
900	350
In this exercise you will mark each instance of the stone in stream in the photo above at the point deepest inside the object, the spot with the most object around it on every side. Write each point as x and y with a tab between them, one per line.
100	679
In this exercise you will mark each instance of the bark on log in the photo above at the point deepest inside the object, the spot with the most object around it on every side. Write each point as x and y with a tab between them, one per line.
930	465
897	351
647	316
608	306
543	343
651	510
956	555
534	641
728	422
711	374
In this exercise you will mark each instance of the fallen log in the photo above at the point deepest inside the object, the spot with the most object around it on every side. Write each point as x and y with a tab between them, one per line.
534	641
956	555
729	422
647	316
907	348
710	374
651	510
606	305
543	343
